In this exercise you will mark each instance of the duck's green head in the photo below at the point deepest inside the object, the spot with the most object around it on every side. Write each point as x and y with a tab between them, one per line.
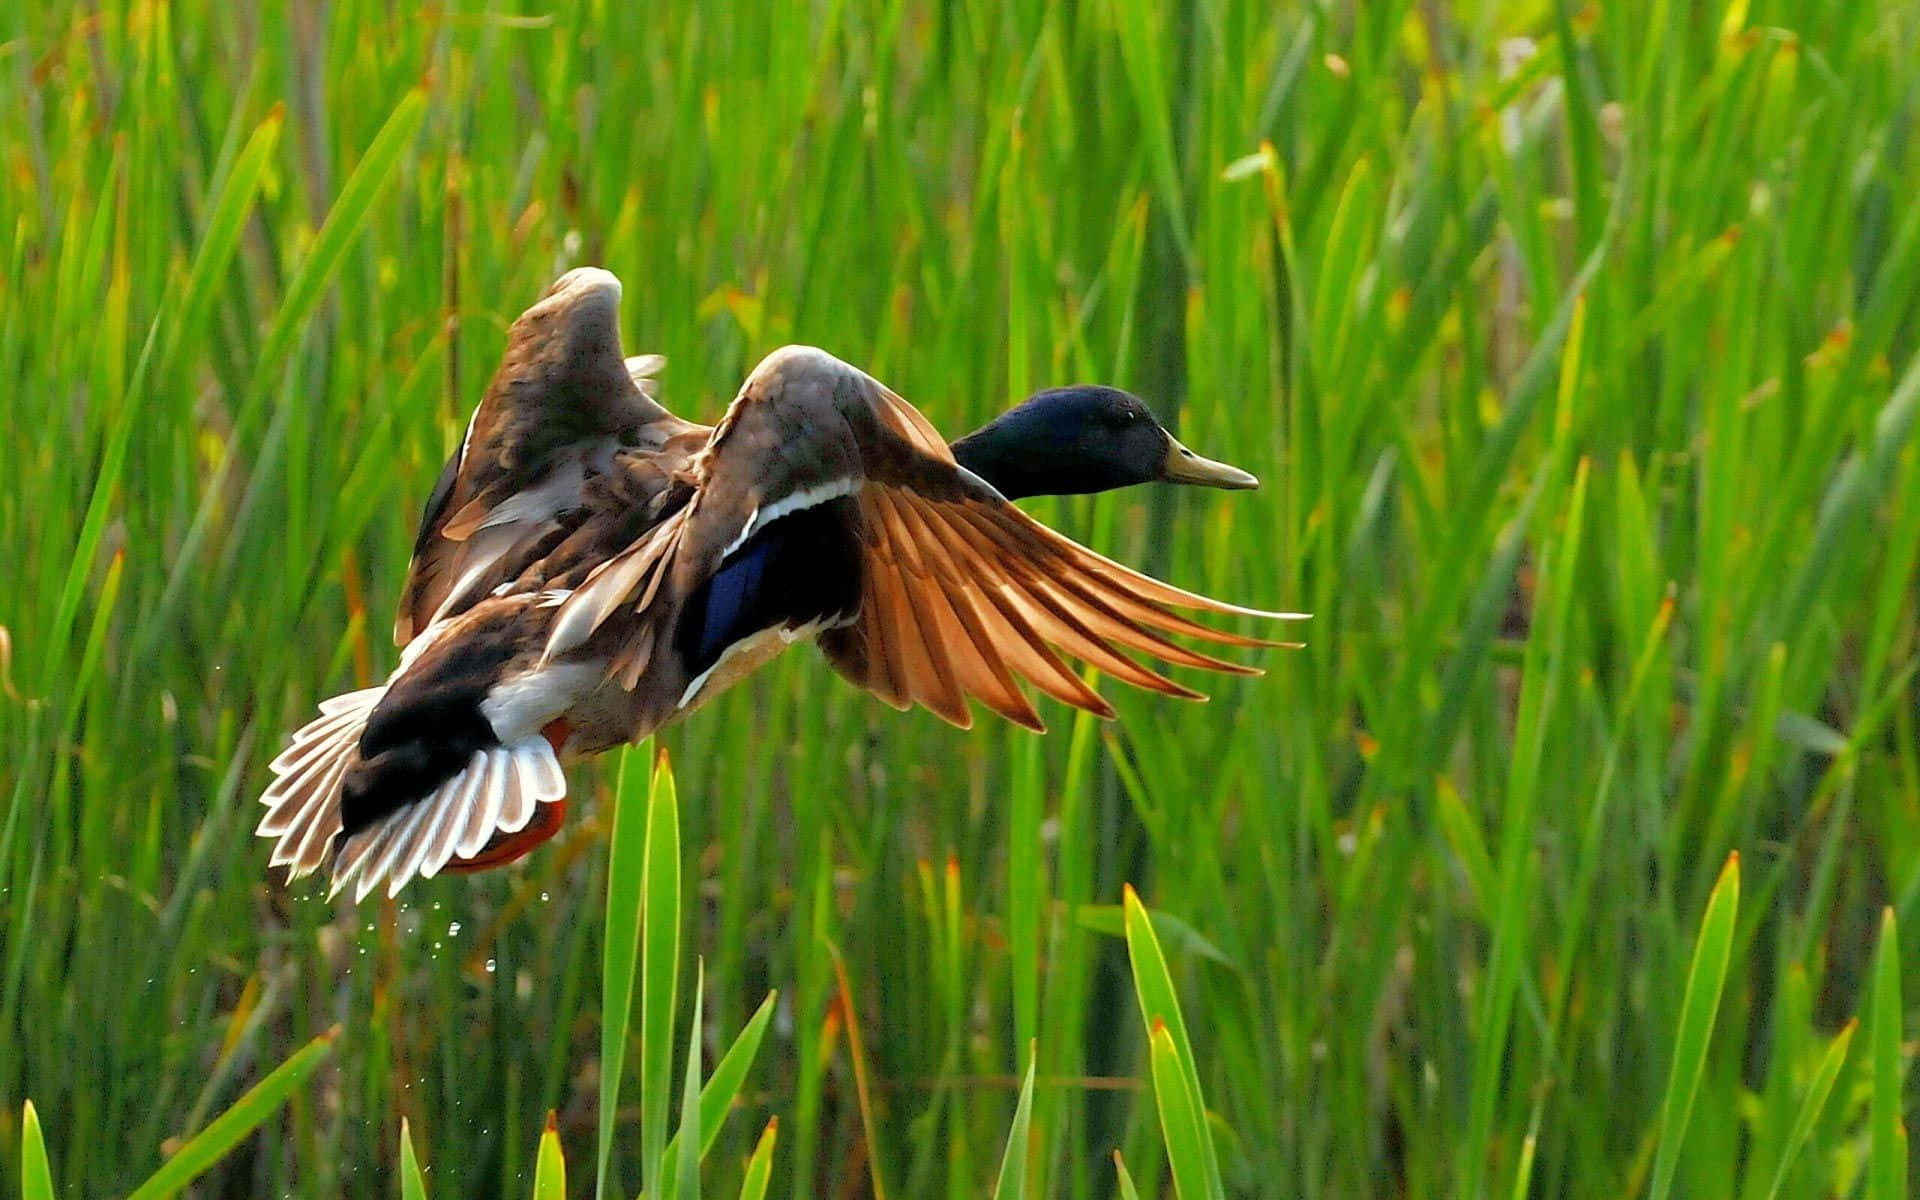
1070	441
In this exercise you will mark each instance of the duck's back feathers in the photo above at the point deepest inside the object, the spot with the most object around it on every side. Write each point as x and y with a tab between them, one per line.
805	432
558	414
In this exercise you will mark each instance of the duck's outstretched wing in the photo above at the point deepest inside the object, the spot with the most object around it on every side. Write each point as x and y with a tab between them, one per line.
941	590
559	410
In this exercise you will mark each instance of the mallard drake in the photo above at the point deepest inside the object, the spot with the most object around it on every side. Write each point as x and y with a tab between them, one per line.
592	567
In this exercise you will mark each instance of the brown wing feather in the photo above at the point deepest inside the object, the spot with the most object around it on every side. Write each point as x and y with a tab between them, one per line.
561	405
981	670
1113	613
929	666
1004	597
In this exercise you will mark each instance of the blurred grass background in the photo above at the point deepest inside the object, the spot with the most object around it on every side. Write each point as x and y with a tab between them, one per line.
1576	345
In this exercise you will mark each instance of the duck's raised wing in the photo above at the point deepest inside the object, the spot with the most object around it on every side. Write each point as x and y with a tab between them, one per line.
951	592
562	405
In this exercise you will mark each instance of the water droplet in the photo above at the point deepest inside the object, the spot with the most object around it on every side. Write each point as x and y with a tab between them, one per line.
490	966
453	930
543	897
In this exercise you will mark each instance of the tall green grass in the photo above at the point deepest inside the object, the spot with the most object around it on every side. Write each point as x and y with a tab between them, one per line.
1582	375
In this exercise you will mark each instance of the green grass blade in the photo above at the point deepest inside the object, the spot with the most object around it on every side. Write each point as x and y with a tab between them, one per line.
1814	1103
1012	1181
211	1144
346	219
1181	1124
722	1088
550	1165
413	1185
1887	1161
687	1187
659	966
221	240
753	1186
1141	44
210	266
1851	497
1127	1189
1160	1007
36	1176
621	954
1025	888
1699	1007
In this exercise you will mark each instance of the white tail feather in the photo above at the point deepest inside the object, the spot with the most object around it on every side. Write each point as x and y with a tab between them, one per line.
470	814
483	808
303	803
360	702
386	847
518	809
437	851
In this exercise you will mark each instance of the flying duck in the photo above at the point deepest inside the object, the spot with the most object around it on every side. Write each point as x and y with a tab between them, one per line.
591	567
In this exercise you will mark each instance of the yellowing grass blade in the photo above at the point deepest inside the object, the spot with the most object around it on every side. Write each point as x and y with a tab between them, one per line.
413	1185
1181	1123
1127	1190
36	1176
550	1167
760	1166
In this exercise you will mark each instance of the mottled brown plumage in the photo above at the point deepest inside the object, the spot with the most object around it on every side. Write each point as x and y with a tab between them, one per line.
567	429
592	568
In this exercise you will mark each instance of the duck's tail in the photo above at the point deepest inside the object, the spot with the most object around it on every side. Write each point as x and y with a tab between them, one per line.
474	820
466	823
450	778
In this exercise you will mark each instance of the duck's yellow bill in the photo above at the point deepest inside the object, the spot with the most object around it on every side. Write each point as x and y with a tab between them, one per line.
1184	466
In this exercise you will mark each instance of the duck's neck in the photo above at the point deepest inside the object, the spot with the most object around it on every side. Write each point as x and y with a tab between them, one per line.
1014	470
